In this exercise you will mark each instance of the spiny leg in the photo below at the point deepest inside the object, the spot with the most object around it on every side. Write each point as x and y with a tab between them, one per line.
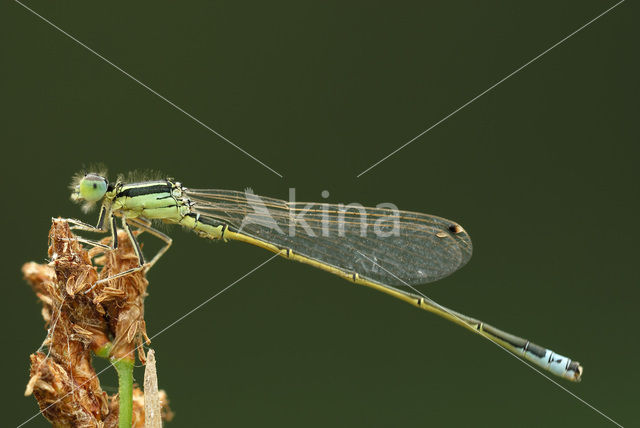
136	249
114	238
145	226
140	220
114	233
99	228
105	215
80	225
134	241
93	243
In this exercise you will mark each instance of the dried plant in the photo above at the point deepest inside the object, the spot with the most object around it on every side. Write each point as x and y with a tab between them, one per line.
105	321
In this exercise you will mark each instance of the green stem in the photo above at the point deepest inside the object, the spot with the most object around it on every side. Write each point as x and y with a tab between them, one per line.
104	351
124	367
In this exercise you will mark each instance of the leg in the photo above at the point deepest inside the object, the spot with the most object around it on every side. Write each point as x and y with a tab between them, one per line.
134	241
145	226
105	215
79	225
114	233
118	275
140	220
93	243
136	248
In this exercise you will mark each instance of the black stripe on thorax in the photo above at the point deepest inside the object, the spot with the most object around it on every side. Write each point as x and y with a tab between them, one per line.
133	190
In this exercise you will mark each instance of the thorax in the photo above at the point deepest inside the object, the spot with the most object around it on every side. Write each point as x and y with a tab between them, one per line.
162	200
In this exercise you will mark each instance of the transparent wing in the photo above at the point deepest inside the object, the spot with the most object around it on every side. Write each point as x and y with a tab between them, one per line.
380	244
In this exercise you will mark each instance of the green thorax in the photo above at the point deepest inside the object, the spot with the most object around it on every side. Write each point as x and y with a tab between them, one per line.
154	200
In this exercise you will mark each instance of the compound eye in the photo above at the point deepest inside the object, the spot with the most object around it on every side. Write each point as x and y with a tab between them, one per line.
92	187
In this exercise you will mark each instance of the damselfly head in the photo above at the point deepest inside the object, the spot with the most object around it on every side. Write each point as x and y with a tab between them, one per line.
88	189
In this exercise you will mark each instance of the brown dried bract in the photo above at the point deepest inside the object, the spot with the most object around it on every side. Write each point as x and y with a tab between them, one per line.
111	314
68	394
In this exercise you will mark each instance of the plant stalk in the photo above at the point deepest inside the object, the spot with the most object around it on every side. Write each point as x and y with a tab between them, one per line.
124	367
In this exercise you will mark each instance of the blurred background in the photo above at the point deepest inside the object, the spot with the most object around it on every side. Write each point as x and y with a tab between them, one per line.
542	172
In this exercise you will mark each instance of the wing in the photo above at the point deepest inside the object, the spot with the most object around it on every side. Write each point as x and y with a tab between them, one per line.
381	244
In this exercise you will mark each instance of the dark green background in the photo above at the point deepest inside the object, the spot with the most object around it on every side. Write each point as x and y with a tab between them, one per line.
542	171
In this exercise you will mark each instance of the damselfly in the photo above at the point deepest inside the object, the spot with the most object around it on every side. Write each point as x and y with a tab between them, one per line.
382	248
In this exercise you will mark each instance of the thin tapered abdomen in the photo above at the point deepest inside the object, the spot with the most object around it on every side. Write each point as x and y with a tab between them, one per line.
538	355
